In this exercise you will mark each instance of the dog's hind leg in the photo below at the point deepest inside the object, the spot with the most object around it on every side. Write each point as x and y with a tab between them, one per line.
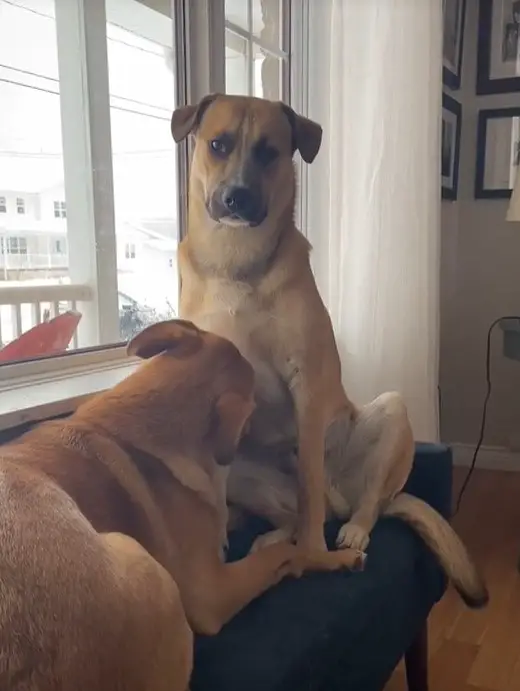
368	465
262	489
155	640
356	532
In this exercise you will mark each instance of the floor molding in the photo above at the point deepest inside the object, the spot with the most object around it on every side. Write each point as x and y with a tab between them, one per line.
489	457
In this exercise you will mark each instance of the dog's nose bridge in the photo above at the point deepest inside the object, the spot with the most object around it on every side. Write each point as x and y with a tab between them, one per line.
238	177
244	174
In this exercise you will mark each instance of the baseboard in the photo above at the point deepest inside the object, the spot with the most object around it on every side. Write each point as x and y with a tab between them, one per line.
489	457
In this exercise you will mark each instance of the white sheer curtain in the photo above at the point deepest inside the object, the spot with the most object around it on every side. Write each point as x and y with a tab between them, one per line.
374	193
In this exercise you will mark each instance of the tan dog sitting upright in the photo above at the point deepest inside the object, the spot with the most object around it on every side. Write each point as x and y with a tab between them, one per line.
243	275
246	275
111	526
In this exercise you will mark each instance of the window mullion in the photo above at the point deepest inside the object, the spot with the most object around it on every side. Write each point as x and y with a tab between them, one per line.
287	24
297	78
200	48
250	50
87	160
179	13
205	47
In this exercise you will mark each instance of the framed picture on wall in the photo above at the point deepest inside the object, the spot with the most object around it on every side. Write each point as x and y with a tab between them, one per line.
498	152
498	61
450	147
454	13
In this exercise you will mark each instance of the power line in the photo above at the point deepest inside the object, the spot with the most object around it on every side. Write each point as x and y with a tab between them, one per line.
28	72
28	86
28	9
130	45
136	101
109	38
36	154
112	107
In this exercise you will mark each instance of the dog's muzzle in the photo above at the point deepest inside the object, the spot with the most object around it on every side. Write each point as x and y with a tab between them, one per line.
238	206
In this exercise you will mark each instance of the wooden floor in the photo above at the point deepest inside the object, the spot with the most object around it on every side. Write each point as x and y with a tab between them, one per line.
480	651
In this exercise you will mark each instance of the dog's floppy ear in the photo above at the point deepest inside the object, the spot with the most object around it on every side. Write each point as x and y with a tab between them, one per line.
186	119
306	134
232	413
177	334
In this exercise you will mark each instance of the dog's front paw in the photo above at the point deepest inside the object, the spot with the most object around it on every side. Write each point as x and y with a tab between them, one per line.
353	536
340	560
351	559
273	537
312	541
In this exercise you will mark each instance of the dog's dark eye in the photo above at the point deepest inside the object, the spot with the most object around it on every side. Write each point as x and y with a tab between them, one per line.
220	146
264	153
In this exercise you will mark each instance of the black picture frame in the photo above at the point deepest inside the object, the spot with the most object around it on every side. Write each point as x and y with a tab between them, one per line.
452	78
487	48
450	149
485	116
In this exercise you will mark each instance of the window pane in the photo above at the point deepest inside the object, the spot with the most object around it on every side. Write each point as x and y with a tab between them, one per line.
255	56
237	11
142	97
267	75
31	164
264	22
237	64
34	242
267	21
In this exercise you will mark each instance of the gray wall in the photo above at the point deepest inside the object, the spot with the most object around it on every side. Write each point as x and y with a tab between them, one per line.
480	280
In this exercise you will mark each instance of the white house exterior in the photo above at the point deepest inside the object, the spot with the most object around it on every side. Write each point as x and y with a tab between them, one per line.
34	252
33	239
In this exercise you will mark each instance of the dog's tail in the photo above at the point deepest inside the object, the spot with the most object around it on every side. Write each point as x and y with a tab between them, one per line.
442	540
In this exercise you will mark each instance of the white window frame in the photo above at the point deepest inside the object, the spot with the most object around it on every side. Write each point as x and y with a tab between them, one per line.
41	388
299	94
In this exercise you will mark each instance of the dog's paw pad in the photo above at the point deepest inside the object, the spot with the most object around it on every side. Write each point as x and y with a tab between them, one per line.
353	536
273	537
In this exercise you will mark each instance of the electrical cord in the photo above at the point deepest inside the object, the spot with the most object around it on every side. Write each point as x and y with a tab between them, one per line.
484	411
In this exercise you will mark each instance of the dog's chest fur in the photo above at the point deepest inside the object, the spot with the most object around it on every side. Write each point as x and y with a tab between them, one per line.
238	312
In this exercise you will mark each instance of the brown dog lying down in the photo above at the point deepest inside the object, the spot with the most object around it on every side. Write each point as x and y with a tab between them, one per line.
111	526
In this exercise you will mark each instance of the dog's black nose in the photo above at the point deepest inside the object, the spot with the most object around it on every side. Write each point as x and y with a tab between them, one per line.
239	201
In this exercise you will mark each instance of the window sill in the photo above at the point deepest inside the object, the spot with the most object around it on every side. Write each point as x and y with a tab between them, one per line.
37	399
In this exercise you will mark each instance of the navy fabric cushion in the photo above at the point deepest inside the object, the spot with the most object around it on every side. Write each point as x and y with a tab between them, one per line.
334	631
432	475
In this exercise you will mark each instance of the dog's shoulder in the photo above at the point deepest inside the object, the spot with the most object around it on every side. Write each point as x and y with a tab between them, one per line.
51	439
70	453
291	270
291	289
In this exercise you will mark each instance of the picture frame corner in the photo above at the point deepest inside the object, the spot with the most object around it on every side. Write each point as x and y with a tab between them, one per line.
486	83
485	116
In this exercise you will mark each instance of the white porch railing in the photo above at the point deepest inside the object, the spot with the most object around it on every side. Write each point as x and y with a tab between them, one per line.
22	307
32	260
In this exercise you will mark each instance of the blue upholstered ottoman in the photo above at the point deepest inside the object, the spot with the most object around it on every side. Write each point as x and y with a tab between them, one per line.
339	631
